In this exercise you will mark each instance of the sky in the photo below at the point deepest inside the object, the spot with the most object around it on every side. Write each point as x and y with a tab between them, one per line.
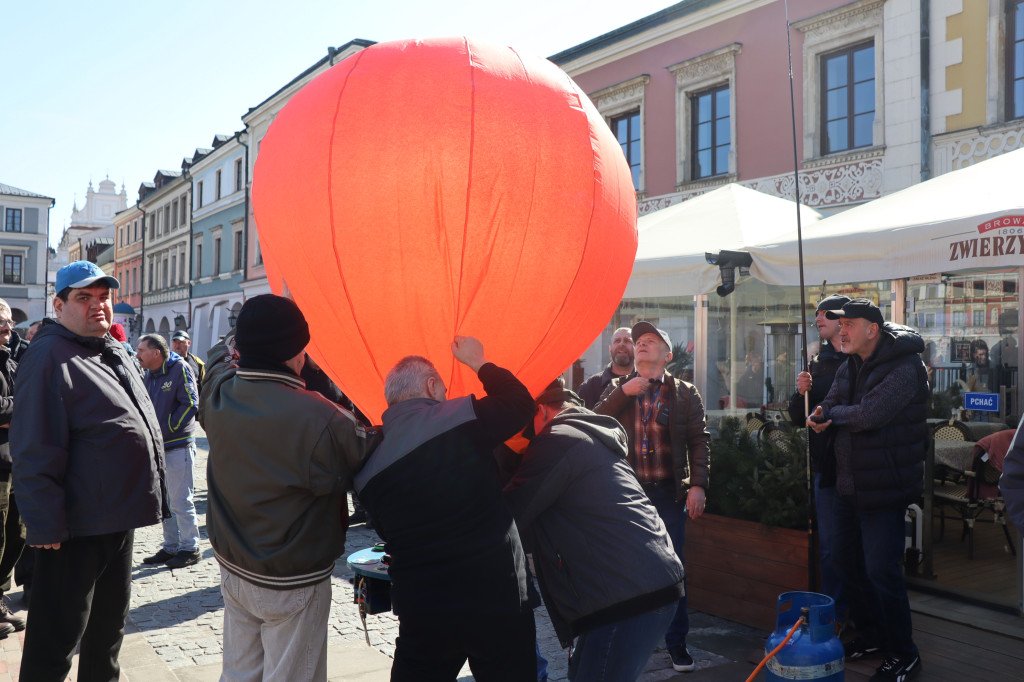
122	89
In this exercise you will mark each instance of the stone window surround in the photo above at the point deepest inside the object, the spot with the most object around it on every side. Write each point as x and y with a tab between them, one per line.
20	253
694	75
857	22
622	98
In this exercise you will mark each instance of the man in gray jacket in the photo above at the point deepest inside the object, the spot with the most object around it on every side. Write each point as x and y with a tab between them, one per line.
281	459
172	389
606	566
88	470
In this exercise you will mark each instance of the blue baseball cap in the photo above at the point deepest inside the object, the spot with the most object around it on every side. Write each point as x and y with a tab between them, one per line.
81	274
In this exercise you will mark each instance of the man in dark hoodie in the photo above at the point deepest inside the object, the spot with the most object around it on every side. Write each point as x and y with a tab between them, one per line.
876	408
172	388
607	569
12	530
88	470
816	383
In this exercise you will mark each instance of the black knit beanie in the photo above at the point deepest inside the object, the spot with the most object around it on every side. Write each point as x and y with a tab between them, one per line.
270	328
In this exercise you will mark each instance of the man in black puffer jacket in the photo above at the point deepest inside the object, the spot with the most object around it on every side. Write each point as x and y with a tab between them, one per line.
877	407
606	565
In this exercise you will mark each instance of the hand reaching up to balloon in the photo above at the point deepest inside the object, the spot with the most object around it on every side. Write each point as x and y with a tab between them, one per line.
469	351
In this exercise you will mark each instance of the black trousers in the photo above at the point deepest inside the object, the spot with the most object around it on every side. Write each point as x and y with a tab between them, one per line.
81	593
12	532
433	647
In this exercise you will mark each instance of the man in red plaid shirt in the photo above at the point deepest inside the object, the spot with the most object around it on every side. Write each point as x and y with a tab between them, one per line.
668	448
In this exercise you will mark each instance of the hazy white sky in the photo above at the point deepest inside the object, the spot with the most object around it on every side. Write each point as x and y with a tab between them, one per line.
124	88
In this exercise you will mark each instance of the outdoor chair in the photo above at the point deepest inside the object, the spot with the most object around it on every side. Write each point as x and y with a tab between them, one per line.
978	494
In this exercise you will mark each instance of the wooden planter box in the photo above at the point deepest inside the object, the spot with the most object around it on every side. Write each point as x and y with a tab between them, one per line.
737	569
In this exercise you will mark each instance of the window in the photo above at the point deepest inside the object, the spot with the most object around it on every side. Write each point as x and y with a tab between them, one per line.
167	218
166	279
977	318
238	175
237	264
1015	60
184	267
848	98
12	269
711	134
216	256
13	221
135	281
150	285
184	208
199	260
959	318
216	190
152	229
199	194
174	212
626	129
174	269
135	229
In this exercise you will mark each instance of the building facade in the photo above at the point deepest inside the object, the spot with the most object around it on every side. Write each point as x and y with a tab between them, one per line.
218	179
129	228
165	284
23	247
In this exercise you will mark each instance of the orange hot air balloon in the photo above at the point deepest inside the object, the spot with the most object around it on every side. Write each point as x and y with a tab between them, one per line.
424	189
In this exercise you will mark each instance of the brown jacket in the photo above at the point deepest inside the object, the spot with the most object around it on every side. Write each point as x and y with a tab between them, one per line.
691	451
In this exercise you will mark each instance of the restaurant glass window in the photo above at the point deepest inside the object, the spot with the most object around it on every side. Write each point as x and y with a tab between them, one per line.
969	324
754	342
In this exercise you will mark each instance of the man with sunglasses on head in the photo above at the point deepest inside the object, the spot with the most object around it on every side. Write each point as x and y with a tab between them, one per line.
88	470
669	448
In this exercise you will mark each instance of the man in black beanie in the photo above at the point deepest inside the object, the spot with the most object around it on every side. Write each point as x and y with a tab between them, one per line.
281	459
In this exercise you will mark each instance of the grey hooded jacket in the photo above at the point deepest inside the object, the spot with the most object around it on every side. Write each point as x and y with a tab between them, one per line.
600	548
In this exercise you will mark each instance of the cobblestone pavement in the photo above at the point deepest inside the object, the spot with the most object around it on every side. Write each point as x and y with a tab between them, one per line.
180	612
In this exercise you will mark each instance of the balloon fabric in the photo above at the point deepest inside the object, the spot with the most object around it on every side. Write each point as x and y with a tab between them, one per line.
424	189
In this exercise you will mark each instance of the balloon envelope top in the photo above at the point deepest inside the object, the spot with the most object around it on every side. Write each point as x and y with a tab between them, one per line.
424	189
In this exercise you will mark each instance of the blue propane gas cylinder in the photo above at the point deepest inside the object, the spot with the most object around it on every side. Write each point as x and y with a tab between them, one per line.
814	652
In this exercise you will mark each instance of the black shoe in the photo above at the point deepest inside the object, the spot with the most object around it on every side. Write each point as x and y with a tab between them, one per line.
860	648
6	629
897	669
682	661
183	558
159	558
17	622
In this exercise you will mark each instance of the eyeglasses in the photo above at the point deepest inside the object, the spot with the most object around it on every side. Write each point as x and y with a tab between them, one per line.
7	323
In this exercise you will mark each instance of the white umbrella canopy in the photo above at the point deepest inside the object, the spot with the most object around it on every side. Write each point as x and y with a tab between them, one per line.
965	219
673	241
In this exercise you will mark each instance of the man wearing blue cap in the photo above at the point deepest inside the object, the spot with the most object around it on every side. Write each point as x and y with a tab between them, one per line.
88	470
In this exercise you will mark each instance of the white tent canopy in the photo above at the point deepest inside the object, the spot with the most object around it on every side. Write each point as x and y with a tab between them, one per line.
672	241
967	219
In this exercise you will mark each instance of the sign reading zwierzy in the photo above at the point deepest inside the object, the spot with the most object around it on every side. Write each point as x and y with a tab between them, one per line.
981	402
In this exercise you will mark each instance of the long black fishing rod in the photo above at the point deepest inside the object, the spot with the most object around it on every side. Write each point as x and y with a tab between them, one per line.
812	572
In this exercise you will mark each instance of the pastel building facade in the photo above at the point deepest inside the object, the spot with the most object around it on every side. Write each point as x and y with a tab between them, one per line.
23	250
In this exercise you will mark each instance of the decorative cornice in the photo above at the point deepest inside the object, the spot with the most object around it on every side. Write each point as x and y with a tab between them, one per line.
842	19
709	63
620	92
963	148
860	154
705	184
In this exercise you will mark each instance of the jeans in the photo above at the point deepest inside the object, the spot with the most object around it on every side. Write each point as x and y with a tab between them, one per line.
831	584
433	647
181	530
274	635
868	552
620	651
673	515
81	594
12	532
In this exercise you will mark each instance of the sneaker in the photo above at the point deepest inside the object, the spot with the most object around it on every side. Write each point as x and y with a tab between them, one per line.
896	669
17	622
859	648
159	558
682	661
183	558
6	629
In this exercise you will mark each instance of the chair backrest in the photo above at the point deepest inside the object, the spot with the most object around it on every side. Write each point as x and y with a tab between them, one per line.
952	430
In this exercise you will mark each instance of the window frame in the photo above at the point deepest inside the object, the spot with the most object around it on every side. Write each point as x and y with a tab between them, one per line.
694	133
20	269
849	51
1014	10
619	99
627	118
20	220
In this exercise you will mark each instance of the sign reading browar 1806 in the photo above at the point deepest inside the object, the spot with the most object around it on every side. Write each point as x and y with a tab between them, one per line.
1003	236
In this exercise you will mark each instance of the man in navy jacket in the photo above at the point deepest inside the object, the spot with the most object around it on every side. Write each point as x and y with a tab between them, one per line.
172	388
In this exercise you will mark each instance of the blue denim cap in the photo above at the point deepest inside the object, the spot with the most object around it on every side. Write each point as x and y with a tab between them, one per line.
82	274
